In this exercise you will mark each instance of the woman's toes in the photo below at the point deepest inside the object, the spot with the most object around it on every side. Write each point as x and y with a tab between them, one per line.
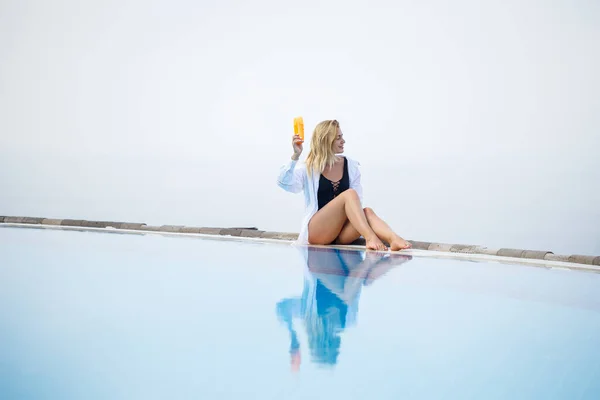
375	244
400	244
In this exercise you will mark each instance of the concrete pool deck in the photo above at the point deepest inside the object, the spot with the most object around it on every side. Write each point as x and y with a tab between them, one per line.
420	248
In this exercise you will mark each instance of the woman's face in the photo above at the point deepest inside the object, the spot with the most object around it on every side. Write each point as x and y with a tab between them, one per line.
338	143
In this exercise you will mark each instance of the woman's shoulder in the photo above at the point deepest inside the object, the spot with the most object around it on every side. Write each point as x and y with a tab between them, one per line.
352	162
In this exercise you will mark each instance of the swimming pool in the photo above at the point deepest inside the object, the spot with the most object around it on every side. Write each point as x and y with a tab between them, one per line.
104	315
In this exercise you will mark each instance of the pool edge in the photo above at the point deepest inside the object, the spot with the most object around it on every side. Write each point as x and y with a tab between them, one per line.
476	253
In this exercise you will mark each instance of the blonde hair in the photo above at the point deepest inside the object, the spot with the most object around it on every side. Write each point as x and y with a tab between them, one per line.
321	152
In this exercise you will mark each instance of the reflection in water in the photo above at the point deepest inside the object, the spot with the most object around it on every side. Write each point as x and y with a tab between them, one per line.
329	302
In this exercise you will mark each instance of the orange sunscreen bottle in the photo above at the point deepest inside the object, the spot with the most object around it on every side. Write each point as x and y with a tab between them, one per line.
299	127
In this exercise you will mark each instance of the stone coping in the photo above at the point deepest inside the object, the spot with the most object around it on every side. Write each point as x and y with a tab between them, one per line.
252	232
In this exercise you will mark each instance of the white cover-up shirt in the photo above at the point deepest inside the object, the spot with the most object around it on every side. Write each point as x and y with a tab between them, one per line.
294	178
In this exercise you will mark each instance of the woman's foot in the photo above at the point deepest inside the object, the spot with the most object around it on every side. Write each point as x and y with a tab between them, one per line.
375	244
397	243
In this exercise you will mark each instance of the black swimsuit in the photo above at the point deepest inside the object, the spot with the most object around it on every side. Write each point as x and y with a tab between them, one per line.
329	190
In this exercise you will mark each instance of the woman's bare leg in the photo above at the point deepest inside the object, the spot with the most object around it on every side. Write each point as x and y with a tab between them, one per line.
327	223
348	234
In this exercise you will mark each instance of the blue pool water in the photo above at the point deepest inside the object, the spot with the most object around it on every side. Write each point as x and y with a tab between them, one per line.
87	315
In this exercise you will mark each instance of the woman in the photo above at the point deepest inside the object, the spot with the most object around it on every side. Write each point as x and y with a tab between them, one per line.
333	194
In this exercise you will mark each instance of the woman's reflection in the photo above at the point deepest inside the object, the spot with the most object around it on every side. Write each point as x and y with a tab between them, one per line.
329	301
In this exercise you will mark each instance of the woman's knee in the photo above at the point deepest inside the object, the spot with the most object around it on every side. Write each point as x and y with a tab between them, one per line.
351	193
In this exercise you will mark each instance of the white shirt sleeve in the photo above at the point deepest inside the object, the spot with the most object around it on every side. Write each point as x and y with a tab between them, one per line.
290	178
355	181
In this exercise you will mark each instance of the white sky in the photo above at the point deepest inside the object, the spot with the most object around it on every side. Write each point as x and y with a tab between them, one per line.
474	122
